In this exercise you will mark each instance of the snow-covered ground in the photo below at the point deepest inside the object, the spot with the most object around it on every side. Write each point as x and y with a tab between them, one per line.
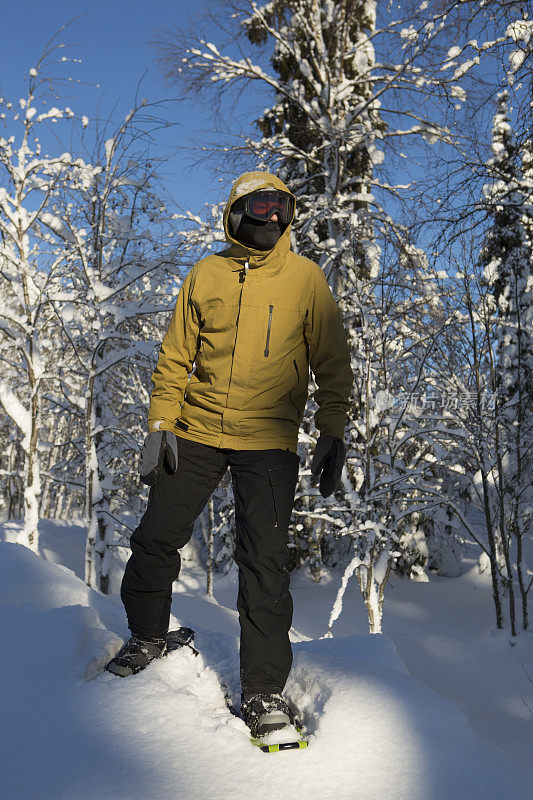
377	707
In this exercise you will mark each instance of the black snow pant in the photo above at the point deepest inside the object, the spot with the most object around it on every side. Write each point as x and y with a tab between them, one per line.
264	482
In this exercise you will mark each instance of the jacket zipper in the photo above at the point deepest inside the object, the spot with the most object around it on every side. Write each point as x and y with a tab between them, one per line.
295	387
242	278
268	330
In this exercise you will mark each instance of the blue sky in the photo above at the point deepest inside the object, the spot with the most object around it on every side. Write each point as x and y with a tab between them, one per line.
112	39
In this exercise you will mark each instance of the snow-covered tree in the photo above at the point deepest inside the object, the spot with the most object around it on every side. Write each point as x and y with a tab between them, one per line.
507	256
29	269
396	438
125	257
491	47
334	115
89	256
328	126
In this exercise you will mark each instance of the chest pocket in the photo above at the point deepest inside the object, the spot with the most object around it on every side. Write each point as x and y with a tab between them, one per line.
282	330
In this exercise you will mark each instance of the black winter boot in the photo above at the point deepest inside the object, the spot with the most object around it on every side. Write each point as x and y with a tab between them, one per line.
135	655
264	713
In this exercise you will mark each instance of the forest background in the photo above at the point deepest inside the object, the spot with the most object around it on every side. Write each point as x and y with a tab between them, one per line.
405	132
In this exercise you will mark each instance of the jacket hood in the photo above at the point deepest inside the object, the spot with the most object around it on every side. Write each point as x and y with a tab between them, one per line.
244	184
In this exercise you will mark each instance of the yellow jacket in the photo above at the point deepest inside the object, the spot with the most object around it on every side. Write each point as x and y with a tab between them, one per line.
233	368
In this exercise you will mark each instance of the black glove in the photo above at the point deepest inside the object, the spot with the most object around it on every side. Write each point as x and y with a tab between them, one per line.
328	459
160	447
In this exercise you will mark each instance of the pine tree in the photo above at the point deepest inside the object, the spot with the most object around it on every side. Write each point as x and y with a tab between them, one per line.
322	127
320	136
507	256
324	134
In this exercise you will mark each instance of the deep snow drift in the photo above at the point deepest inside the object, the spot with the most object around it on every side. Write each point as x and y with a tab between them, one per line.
70	730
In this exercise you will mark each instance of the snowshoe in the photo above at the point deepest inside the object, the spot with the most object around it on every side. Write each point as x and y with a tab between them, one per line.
272	722
183	637
137	653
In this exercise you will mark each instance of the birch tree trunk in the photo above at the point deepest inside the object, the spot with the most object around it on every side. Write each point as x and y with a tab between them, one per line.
91	489
372	579
210	546
99	532
32	476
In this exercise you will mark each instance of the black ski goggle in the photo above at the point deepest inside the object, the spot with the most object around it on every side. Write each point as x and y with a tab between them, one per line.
263	205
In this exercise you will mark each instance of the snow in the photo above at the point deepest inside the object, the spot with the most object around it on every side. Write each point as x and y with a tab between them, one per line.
247	185
286	734
463	68
337	605
17	411
453	52
520	30
516	59
109	146
58	226
409	33
375	731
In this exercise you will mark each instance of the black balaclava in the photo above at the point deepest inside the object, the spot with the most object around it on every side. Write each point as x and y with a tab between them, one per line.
259	235
253	232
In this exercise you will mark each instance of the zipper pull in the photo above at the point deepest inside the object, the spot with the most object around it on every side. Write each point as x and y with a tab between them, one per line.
243	273
271	309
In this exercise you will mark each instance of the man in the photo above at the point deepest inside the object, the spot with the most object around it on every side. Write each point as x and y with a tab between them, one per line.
250	320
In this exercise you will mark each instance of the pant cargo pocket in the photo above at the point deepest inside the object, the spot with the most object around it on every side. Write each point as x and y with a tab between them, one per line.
283	479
